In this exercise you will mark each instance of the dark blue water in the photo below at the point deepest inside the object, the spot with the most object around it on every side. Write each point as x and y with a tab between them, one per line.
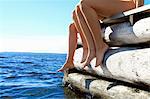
31	76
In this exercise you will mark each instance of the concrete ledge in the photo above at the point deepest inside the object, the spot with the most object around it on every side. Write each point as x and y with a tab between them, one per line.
126	64
125	33
104	89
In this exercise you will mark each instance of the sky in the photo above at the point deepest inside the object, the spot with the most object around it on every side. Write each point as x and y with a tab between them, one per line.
36	25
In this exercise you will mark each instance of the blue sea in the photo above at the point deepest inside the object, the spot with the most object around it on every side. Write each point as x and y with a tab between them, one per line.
32	76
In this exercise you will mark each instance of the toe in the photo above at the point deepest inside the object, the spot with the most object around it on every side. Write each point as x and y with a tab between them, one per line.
60	70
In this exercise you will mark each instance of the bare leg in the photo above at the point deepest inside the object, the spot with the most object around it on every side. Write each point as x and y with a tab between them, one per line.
74	28
87	35
92	20
71	50
85	47
93	10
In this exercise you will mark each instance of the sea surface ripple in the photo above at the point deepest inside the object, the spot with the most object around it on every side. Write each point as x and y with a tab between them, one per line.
31	75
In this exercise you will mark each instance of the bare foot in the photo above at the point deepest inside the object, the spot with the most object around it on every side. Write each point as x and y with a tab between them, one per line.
67	65
85	52
90	56
100	54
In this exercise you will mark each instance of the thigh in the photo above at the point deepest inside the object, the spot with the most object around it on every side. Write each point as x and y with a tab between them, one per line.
108	8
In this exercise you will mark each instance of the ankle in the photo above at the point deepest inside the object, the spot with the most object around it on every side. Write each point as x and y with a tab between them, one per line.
69	61
102	47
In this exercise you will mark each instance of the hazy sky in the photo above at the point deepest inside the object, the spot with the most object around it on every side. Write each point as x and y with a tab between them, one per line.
35	25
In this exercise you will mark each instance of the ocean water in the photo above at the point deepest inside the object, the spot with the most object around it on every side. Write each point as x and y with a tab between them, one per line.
32	76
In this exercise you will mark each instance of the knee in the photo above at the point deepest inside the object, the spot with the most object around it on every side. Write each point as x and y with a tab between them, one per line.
84	1
71	25
72	29
77	9
83	5
74	15
76	12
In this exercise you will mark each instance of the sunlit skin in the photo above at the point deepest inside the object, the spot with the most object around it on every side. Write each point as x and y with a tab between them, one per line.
72	46
88	13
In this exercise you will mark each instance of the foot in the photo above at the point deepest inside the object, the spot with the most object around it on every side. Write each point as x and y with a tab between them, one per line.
85	52
67	65
100	55
90	56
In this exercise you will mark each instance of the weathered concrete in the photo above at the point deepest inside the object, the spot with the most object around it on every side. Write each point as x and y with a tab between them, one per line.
142	28
130	65
104	89
124	33
126	64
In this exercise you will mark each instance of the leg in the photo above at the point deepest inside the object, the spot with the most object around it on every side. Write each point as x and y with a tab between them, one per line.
94	10
85	30
72	47
85	47
92	19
